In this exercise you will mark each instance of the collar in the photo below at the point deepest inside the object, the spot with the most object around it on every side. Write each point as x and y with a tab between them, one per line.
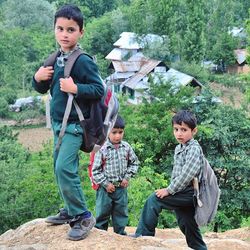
111	145
182	147
62	58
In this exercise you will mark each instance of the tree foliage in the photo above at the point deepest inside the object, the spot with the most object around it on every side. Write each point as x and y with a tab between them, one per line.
28	13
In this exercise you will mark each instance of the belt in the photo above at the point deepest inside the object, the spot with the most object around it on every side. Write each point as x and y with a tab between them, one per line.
117	183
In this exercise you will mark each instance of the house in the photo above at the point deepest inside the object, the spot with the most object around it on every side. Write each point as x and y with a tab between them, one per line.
240	65
131	69
237	32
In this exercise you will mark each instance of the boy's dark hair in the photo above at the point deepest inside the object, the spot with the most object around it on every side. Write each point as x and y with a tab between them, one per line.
70	11
119	123
185	116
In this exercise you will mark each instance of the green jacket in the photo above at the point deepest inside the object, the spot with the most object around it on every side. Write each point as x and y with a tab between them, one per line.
85	74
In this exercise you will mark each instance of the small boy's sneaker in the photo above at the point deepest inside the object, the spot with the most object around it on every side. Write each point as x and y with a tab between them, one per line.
80	227
61	218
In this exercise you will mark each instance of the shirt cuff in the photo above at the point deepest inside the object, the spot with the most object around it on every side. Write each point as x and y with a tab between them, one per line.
105	183
170	190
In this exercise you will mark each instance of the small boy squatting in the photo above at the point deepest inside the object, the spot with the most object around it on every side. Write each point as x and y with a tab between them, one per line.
114	164
85	83
178	196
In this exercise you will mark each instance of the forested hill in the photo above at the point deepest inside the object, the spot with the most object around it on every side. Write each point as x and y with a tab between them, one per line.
193	31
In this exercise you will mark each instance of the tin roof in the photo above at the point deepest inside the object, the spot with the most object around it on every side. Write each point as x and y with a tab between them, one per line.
130	40
241	55
146	68
116	54
237	32
175	77
127	40
119	75
126	66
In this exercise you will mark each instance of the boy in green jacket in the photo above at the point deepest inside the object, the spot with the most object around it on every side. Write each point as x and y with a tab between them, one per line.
85	84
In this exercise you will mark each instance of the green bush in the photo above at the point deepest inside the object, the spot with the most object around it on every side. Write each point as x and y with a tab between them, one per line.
8	94
4	108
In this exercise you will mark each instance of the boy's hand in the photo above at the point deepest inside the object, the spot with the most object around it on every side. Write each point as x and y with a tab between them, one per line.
124	183
110	188
67	85
44	74
161	193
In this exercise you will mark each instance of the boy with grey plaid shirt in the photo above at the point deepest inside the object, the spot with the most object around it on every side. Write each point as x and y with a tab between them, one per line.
114	164
178	196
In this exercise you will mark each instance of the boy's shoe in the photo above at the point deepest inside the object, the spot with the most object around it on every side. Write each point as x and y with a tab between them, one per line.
80	227
61	218
134	235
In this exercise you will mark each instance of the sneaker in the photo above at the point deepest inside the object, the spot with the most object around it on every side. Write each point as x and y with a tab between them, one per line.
80	227
61	218
134	235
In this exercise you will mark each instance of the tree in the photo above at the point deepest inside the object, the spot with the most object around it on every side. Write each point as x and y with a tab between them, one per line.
21	52
98	37
194	36
248	37
26	13
223	50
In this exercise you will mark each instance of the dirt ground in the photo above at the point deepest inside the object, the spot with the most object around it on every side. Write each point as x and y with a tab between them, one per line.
231	96
34	138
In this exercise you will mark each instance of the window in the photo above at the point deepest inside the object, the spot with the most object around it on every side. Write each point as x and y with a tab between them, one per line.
117	88
131	93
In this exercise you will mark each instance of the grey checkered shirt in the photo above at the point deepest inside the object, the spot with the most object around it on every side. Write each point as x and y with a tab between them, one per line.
188	161
113	164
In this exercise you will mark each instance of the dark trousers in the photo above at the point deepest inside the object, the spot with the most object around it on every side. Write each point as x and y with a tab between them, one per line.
182	204
114	205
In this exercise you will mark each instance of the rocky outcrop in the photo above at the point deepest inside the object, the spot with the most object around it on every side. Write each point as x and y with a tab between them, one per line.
37	235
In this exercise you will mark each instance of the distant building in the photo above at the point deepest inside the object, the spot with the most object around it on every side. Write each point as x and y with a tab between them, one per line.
240	65
131	69
238	32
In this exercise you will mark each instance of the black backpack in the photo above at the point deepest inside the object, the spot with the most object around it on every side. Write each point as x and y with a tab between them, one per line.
103	112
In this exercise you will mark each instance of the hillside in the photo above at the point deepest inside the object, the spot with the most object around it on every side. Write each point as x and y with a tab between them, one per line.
38	235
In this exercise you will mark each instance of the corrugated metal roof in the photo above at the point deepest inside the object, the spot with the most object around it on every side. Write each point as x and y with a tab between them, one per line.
126	66
127	40
235	31
121	75
146	68
130	40
116	54
137	57
139	85
241	55
175	77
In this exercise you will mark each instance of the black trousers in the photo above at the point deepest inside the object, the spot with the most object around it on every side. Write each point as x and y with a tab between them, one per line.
182	204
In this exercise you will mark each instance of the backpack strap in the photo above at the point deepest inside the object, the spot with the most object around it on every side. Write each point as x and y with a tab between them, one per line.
50	61
70	62
64	122
67	69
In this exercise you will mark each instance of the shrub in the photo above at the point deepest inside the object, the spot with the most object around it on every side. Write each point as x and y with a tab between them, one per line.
4	108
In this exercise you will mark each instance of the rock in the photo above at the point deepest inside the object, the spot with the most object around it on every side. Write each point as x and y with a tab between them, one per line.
38	235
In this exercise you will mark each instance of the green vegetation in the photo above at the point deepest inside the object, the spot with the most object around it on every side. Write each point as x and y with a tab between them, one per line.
193	32
28	185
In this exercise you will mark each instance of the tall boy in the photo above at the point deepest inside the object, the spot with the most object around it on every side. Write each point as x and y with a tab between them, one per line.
178	196
114	164
85	84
